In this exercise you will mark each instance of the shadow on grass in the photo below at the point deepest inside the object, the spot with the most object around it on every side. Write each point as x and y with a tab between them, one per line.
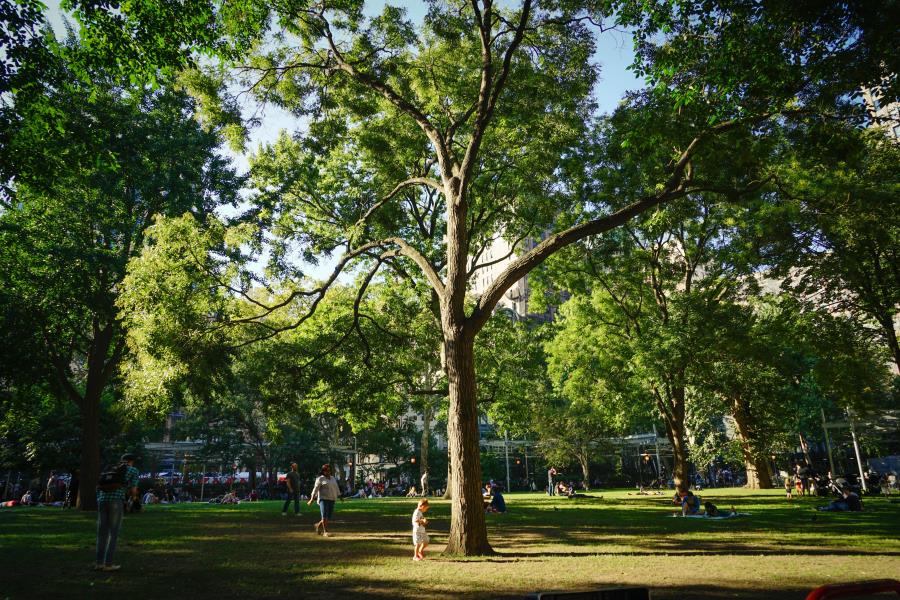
202	551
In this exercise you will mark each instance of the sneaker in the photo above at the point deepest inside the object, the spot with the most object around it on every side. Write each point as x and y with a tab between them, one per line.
98	567
284	514
112	567
318	527
416	558
326	534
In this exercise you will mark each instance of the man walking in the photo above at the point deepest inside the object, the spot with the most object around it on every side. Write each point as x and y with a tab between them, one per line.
293	490
110	506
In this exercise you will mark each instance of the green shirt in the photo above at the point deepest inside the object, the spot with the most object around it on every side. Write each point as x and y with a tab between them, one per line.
131	480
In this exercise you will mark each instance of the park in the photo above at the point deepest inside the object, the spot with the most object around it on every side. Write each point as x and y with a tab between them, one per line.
465	298
249	550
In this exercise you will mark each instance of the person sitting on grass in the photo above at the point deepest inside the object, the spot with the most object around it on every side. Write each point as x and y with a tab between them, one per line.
690	504
497	503
849	503
412	493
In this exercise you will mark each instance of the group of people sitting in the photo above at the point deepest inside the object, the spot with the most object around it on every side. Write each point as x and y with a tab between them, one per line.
493	499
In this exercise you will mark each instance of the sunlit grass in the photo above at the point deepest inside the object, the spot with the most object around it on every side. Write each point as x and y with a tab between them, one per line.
203	551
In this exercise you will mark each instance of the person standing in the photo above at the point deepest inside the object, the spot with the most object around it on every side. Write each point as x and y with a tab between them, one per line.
424	483
293	490
110	506
326	492
551	473
50	492
420	533
72	490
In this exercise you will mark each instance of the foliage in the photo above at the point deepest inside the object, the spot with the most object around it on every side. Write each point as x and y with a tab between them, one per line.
422	143
840	249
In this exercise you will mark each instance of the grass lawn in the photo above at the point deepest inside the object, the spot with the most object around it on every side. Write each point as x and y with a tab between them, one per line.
196	551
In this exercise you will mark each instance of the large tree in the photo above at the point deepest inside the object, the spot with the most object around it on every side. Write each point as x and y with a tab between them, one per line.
94	163
841	250
473	124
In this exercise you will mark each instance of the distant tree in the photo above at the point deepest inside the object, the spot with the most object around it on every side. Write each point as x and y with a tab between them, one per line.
84	195
841	250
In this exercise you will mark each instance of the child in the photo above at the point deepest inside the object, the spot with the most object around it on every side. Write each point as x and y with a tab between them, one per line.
420	535
788	487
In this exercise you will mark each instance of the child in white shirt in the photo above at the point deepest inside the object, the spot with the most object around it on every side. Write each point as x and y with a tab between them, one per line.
420	534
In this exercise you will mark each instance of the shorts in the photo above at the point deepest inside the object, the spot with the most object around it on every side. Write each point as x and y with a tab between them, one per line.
326	509
420	535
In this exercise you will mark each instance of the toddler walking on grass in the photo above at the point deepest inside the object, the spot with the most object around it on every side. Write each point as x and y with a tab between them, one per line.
420	534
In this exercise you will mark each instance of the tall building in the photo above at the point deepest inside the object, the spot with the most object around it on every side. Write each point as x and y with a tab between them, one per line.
493	261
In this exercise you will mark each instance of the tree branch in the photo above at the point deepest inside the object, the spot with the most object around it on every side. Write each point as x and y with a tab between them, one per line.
490	90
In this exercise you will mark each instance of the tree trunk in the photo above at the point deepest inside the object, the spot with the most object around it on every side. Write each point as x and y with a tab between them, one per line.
251	481
887	325
90	450
679	452
585	469
672	410
425	443
448	491
468	531
759	475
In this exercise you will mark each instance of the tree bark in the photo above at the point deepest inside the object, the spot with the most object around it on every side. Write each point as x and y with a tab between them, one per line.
671	407
679	451
468	531
448	491
759	474
90	450
890	335
585	469
425	443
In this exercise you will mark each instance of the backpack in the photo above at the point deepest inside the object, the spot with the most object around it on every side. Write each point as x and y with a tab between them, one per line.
113	479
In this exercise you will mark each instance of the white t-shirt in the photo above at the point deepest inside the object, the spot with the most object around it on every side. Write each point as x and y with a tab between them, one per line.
326	488
417	516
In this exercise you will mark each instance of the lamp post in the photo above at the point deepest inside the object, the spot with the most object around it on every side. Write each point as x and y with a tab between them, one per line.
656	441
859	465
527	472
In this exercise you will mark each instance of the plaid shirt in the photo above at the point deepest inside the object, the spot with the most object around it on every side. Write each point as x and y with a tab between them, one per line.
131	480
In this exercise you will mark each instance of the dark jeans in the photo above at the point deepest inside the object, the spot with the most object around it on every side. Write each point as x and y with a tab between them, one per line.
109	519
295	496
837	505
551	489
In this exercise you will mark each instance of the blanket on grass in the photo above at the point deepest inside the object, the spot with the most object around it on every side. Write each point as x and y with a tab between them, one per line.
716	518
